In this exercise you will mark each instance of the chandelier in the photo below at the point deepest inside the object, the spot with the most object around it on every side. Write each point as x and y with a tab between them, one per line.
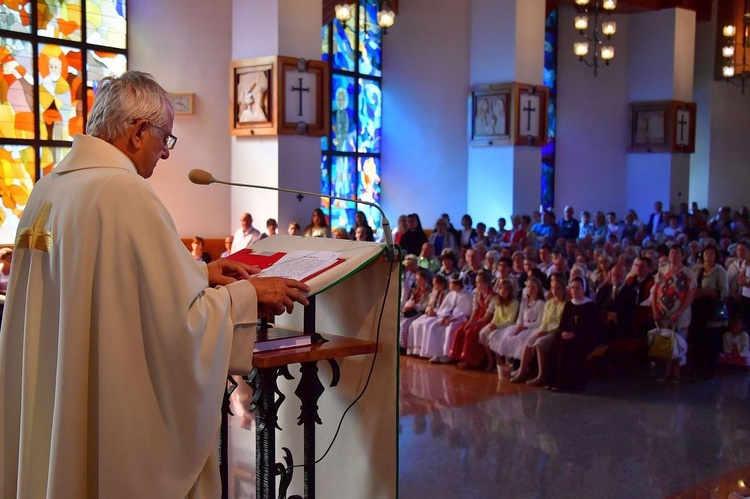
596	36
734	40
386	16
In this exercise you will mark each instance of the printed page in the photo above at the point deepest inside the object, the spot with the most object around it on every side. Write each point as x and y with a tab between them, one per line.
300	264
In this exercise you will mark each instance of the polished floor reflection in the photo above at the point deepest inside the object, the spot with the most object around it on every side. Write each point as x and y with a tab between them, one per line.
470	435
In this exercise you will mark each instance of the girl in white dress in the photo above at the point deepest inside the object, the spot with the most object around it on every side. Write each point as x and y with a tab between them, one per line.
509	342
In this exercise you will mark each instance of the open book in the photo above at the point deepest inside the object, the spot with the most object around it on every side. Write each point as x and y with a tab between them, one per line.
318	262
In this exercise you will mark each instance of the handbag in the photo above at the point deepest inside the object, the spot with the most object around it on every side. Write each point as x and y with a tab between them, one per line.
662	345
720	312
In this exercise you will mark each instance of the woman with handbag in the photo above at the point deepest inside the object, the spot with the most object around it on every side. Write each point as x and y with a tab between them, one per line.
672	296
709	314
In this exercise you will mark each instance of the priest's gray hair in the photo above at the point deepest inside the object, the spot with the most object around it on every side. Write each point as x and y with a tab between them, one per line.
119	101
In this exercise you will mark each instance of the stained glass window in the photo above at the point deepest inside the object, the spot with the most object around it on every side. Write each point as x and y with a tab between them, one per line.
16	16
49	75
550	81
350	165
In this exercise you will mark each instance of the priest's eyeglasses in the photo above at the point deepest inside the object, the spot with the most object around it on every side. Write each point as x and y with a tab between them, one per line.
169	139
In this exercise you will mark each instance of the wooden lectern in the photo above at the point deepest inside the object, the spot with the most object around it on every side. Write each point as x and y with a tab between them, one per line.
350	303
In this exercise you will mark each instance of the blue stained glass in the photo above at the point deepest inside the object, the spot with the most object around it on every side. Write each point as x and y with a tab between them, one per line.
325	184
370	116
343	184
343	124
325	46
343	44
324	143
343	177
550	80
369	39
368	189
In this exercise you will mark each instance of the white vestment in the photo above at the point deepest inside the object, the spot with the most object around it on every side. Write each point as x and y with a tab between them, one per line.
113	350
427	337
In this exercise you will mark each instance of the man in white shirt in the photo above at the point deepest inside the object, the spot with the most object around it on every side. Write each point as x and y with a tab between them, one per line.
246	234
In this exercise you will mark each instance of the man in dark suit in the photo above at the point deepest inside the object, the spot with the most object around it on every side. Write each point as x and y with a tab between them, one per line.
657	220
616	304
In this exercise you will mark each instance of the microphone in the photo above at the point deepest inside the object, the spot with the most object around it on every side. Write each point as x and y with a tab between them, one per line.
202	177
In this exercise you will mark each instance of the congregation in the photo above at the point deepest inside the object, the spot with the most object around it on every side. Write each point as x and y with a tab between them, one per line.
538	300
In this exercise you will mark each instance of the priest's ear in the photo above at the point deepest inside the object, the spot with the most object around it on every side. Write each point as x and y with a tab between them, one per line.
138	129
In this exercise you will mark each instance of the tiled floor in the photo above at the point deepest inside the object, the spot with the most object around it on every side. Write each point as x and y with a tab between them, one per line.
469	435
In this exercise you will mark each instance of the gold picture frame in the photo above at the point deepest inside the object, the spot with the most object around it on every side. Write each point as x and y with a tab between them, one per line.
279	95
662	126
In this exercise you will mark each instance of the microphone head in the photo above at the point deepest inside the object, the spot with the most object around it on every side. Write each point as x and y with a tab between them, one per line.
201	177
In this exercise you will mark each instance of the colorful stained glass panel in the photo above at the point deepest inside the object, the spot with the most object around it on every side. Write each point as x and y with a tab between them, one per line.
325	46
60	20
60	70
106	23
50	157
16	16
343	184
343	44
17	167
370	116
343	125
369	39
325	178
16	89
100	65
368	189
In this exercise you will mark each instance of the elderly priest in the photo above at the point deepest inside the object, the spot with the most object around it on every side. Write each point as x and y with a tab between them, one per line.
115	343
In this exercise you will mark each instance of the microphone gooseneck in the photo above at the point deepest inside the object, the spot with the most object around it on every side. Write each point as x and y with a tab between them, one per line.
202	177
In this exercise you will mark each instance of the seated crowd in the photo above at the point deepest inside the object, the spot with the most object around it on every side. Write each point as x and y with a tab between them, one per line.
538	300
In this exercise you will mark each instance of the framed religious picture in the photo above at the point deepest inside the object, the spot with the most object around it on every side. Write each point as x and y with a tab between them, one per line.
303	107
662	126
251	90
279	95
508	114
489	120
531	115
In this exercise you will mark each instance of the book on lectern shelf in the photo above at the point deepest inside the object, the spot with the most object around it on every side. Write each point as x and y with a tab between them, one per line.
276	338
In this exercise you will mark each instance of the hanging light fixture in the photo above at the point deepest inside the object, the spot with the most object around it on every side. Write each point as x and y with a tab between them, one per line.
386	16
597	36
729	50
343	12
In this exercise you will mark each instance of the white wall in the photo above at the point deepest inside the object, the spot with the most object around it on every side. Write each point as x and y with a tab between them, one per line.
592	123
425	92
187	49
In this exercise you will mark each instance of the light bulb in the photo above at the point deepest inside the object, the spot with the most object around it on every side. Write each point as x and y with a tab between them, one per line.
386	18
729	31
609	4
728	51
608	52
727	71
581	23
582	2
581	48
609	28
343	12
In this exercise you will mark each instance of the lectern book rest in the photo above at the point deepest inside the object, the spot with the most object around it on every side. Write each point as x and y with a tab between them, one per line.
319	262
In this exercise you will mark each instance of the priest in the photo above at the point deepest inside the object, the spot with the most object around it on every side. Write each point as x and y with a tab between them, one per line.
115	342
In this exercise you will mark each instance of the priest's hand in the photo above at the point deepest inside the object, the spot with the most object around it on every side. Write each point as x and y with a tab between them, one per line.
224	271
277	295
